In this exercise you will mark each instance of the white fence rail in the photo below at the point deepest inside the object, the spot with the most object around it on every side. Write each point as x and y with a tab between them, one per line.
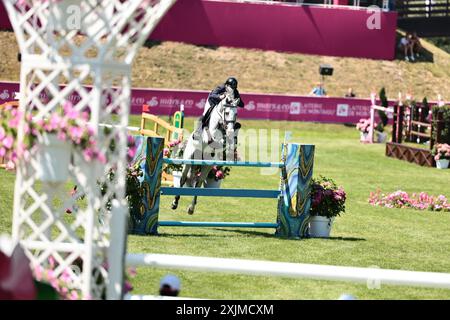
293	270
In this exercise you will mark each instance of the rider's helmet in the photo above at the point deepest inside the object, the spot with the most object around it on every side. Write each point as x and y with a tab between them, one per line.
232	82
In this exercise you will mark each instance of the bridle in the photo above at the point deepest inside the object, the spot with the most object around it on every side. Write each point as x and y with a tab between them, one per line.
224	120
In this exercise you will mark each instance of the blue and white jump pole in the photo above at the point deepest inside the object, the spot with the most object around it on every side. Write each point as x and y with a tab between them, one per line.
293	195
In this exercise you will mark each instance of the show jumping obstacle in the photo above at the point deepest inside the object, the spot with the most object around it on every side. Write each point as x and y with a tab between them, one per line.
416	124
173	131
293	195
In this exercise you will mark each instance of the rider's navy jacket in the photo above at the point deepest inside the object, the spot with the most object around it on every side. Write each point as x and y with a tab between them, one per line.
214	96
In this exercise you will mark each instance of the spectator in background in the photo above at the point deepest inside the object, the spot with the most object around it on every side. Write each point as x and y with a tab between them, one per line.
406	45
350	93
415	43
318	90
169	285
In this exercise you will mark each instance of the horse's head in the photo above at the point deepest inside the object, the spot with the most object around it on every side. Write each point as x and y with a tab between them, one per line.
229	111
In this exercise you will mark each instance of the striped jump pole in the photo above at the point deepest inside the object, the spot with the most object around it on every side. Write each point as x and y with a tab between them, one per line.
293	196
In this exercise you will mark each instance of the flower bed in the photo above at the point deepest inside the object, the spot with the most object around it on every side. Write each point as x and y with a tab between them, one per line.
401	199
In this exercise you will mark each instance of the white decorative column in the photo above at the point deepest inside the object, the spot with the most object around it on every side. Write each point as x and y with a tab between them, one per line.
74	44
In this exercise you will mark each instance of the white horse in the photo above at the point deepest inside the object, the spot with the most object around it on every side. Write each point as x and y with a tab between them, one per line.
215	141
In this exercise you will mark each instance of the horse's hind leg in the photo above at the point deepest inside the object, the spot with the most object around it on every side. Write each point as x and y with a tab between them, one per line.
191	208
182	182
199	183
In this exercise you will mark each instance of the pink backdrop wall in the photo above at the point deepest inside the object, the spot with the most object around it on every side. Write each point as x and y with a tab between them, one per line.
4	20
280	27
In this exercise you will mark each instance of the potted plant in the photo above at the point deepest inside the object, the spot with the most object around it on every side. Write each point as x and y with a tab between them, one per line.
174	150
53	141
441	153
364	127
216	175
327	202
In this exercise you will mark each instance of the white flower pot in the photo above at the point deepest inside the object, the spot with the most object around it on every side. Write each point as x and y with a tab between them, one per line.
212	183
176	178
320	227
442	164
381	137
53	158
363	136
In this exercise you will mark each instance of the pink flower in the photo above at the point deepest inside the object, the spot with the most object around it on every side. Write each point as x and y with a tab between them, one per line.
71	113
73	295
85	116
166	152
128	287
55	121
174	143
8	142
219	174
62	135
101	158
88	154
76	133
2	133
132	271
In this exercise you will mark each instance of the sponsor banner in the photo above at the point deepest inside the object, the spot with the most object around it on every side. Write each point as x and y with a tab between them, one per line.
257	106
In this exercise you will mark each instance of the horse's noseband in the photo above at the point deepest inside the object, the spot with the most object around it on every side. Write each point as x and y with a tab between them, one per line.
229	118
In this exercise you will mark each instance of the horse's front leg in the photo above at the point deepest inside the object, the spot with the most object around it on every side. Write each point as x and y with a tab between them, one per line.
199	183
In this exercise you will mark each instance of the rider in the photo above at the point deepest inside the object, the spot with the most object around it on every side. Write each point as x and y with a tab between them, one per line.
218	94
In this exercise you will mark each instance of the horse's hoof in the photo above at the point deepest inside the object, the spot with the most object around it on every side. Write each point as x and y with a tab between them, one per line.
190	210
174	206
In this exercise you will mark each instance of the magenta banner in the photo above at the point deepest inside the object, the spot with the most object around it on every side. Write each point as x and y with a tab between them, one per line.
257	106
332	31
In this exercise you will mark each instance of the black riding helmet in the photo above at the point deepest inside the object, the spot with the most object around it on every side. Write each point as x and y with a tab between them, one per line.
232	82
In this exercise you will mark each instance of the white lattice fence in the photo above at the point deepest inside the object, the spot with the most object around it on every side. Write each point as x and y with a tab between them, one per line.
77	43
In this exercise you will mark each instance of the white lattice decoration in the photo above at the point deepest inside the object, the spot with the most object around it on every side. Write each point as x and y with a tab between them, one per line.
75	43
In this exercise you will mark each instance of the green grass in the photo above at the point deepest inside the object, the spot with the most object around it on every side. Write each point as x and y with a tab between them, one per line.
364	236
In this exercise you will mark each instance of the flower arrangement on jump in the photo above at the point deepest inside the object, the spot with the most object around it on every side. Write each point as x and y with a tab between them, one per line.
363	125
174	150
219	172
67	124
441	151
401	199
327	199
